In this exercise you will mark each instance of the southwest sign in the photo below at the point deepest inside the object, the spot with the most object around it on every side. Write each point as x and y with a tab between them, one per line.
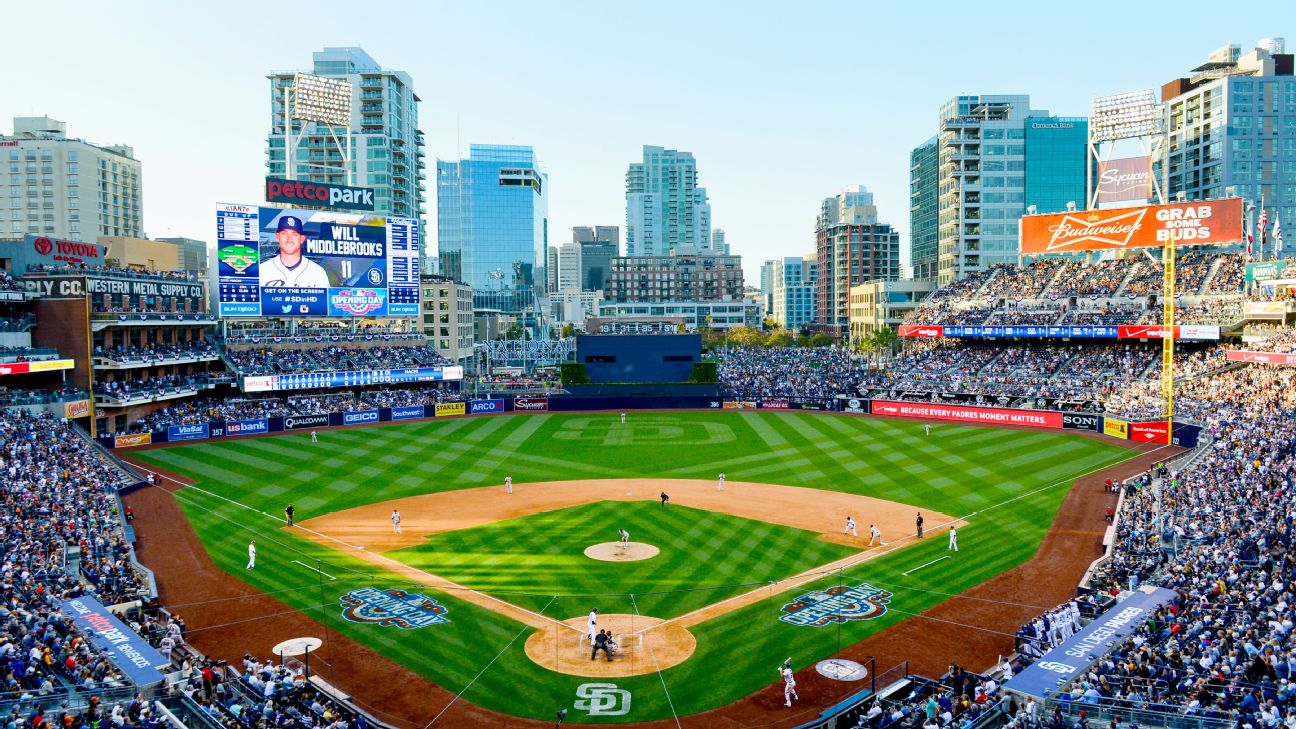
1195	223
318	195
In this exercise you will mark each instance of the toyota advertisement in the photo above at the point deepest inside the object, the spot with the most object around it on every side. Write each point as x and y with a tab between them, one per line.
1195	223
313	263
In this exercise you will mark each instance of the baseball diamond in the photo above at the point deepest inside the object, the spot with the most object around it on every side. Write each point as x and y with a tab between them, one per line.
484	593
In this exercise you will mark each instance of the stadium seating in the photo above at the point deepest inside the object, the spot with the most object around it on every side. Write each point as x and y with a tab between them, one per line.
289	360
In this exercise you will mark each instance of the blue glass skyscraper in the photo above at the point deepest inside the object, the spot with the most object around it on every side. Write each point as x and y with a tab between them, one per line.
493	227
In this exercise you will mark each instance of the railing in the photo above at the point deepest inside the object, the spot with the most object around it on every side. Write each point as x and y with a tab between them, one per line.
1125	713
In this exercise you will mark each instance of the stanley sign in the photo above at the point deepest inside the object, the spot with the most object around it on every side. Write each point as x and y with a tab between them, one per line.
1192	223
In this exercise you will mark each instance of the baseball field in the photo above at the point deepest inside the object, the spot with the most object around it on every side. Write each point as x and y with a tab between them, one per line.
485	594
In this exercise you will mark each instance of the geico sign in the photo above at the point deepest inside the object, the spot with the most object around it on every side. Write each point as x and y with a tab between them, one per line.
313	193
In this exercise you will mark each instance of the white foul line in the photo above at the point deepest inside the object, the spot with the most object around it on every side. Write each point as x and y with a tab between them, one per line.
934	561
313	569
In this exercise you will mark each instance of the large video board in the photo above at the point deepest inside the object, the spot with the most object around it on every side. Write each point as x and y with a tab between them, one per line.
294	262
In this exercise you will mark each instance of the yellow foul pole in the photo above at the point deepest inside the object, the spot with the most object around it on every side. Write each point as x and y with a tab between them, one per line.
1167	334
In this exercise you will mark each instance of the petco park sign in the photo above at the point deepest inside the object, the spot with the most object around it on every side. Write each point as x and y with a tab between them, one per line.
318	195
1196	223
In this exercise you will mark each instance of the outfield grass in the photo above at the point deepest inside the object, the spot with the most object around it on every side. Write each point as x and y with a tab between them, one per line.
531	559
1014	481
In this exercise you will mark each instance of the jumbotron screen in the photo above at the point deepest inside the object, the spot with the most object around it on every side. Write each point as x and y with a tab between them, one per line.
295	262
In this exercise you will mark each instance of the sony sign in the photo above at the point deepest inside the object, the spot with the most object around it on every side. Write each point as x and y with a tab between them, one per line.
318	195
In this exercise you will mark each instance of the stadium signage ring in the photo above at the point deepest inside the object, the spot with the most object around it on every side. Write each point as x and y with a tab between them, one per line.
840	669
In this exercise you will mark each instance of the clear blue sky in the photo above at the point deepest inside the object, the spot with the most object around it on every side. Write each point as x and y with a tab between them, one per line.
782	103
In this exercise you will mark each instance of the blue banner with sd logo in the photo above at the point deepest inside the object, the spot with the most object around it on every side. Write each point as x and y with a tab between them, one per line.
477	407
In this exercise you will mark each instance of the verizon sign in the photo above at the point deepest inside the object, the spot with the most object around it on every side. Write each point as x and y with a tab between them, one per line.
1196	223
1273	358
1125	180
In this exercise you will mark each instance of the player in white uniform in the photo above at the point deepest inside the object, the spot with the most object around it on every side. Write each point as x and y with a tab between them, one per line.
720	483
508	484
593	625
927	428
252	554
850	527
953	544
314	437
625	538
623	418
396	521
789	683
875	535
289	268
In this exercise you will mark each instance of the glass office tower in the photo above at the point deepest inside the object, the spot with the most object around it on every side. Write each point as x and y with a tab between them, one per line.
493	227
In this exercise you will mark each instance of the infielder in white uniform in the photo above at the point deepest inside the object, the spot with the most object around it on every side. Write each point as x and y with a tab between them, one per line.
623	418
252	554
789	683
508	484
625	538
953	540
850	527
720	483
875	535
289	268
396	521
593	625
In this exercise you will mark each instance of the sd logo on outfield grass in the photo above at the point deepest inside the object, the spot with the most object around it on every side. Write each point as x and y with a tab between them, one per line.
392	607
837	605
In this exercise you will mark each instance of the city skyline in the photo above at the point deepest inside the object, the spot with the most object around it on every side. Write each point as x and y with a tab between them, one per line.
744	105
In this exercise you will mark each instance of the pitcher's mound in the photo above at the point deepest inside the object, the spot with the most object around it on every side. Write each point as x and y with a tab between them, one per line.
642	647
614	552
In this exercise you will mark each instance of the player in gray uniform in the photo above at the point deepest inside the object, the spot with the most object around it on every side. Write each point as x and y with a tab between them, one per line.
290	269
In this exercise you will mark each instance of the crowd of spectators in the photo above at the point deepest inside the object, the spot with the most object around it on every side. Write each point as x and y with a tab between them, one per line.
155	386
194	349
20	323
401	397
9	283
1218	532
1027	282
1099	280
45	268
1105	314
1280	339
793	372
276	360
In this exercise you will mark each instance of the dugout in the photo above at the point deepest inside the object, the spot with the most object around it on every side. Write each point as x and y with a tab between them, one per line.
638	358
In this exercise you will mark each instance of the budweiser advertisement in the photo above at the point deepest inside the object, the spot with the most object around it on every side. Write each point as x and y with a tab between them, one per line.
1273	358
992	416
1125	180
1194	223
1151	431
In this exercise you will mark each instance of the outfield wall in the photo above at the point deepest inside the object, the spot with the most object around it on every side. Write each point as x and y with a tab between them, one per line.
1154	431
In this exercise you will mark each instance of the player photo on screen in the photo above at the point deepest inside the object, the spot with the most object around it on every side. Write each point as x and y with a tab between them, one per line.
319	250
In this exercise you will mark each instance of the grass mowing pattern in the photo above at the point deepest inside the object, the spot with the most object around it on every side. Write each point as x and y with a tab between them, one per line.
958	470
528	560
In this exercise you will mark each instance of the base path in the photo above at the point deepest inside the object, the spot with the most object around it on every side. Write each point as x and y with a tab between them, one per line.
618	552
642	647
365	532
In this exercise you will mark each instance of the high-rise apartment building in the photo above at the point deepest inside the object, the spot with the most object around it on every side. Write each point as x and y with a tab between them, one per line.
447	307
193	253
598	246
493	227
386	146
568	277
67	188
1231	124
982	188
924	189
657	279
767	286
794	295
666	211
852	247
718	243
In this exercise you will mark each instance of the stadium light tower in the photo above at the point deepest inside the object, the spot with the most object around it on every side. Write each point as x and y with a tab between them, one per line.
1134	115
323	100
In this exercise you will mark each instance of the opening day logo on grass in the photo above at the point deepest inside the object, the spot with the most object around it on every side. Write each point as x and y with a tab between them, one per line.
392	607
837	605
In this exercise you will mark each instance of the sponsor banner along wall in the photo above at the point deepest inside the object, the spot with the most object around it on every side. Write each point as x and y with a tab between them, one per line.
45	365
296	422
450	408
409	412
531	404
991	416
1124	180
1194	223
188	432
1273	358
314	380
481	407
1150	431
1101	331
1115	428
